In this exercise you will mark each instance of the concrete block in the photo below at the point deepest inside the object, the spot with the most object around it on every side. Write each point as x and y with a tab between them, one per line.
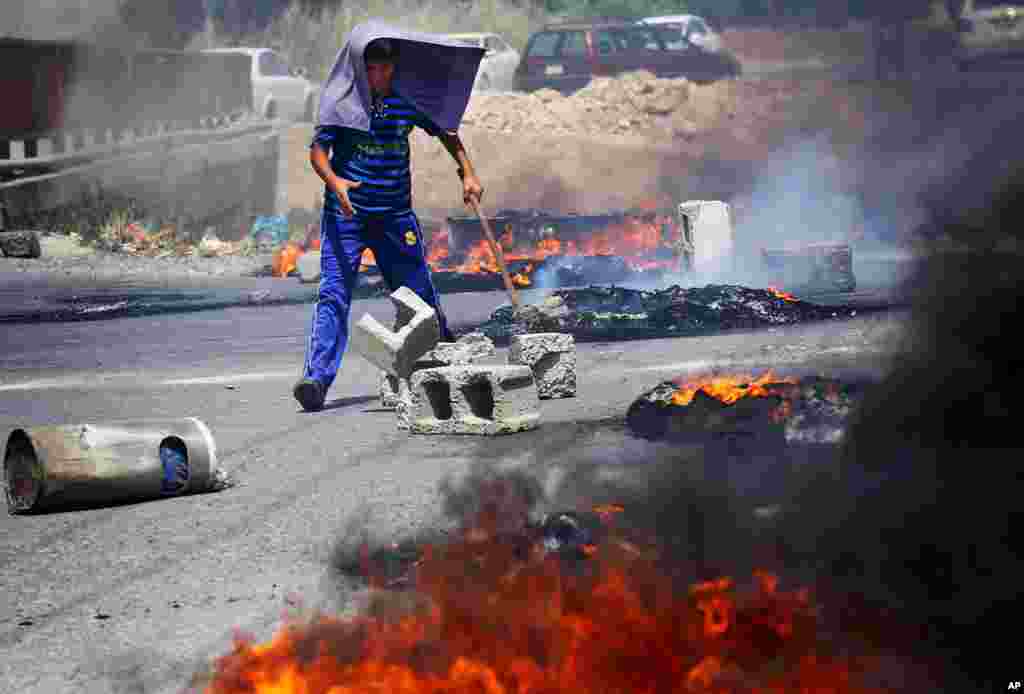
308	266
708	224
465	350
481	400
552	360
391	390
396	351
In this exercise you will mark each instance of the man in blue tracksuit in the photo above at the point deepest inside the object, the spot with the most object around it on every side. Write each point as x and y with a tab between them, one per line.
367	204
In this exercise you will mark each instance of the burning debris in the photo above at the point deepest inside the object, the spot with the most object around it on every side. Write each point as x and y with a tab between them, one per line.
570	604
620	313
815	267
562	250
769	408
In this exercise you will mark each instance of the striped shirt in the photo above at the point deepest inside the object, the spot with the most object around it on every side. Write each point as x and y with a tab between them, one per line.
378	159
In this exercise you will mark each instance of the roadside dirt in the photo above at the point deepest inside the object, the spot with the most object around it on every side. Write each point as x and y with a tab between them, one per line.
613	145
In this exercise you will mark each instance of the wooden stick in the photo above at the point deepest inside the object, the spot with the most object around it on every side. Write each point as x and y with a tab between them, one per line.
498	253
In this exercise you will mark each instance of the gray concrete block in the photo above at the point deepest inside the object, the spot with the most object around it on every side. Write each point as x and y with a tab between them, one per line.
551	358
466	350
396	351
391	388
711	232
480	400
308	266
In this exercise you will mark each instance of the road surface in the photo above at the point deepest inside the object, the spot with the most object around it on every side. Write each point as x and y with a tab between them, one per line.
137	597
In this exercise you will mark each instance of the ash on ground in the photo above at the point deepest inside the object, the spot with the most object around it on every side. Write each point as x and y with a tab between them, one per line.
621	313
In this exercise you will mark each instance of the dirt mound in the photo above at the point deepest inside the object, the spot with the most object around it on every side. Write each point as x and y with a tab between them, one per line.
634	103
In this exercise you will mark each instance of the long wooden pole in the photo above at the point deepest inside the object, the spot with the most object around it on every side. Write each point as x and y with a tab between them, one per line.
498	253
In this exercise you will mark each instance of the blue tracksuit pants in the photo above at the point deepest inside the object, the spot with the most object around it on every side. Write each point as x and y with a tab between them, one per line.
397	245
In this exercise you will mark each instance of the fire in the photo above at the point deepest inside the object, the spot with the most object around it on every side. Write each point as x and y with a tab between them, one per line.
778	294
635	239
285	259
367	260
729	389
495	619
522	279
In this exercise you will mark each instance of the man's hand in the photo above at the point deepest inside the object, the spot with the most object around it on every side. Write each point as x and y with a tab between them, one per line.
471	189
340	187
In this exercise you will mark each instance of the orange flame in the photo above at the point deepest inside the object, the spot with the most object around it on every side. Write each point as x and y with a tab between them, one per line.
778	294
522	279
367	260
634	240
491	620
285	259
729	389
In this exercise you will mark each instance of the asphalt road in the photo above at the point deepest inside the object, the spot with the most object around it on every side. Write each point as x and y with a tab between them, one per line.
137	597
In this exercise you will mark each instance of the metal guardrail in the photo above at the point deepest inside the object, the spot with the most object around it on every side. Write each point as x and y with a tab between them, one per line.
52	152
201	174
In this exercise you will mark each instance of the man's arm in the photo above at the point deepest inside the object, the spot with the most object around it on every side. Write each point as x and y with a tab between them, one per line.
320	160
471	188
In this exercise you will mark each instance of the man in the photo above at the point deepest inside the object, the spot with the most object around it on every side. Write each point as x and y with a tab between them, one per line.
361	152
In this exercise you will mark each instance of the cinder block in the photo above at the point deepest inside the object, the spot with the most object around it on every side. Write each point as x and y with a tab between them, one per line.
552	360
708	225
465	350
391	389
397	351
482	400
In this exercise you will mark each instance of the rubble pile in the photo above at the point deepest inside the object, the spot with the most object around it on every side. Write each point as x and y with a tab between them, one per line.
621	313
635	101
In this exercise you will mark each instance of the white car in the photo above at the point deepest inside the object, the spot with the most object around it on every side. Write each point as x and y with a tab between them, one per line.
497	69
694	29
278	90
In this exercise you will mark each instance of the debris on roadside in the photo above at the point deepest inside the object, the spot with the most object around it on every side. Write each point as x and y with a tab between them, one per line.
20	244
116	225
598	312
806	410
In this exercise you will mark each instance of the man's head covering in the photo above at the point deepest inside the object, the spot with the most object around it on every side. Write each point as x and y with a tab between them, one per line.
381	50
434	73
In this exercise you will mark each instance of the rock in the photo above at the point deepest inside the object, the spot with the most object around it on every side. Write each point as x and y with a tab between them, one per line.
308	266
537	319
20	244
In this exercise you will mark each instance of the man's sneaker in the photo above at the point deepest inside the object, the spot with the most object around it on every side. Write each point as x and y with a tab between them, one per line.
310	394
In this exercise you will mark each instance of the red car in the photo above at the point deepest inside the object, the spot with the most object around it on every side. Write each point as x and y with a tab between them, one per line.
566	56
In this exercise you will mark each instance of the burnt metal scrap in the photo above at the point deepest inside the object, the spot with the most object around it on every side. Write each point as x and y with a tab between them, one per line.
811	410
600	313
